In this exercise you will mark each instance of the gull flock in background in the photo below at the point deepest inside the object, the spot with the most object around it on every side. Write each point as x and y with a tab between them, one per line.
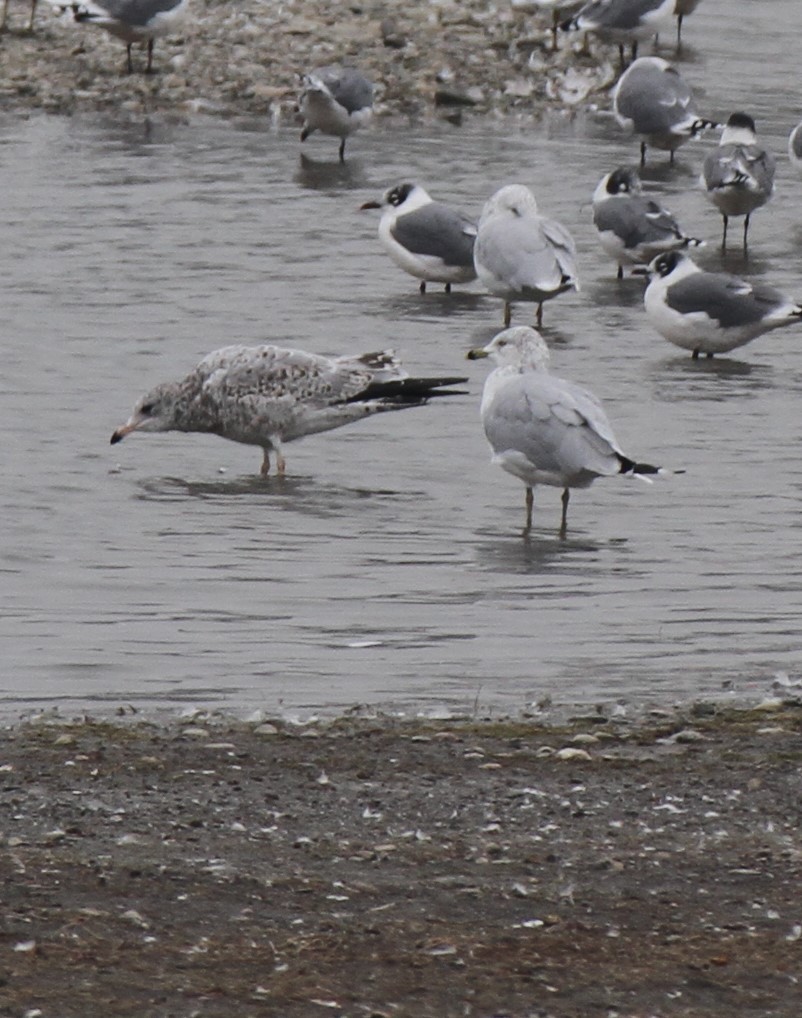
542	429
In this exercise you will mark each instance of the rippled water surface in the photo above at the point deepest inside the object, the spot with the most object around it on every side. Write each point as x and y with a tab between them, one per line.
388	567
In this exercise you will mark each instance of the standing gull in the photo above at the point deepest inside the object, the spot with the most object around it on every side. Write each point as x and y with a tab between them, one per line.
425	238
632	228
336	100
739	175
542	429
622	21
682	10
132	20
269	395
711	312
520	254
652	100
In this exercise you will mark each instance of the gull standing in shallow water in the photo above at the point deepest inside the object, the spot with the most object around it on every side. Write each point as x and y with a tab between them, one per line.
711	312
336	100
520	254
652	100
269	395
132	20
542	429
632	228
739	175
622	21
425	238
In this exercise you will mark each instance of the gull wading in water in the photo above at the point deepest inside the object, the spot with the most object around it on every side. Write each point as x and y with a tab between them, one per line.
711	312
425	238
520	254
131	20
270	395
543	429
622	21
336	100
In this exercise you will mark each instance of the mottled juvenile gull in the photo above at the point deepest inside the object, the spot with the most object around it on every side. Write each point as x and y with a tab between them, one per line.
711	312
4	15
270	395
739	175
337	101
520	254
542	429
652	100
632	228
424	237
622	21
132	20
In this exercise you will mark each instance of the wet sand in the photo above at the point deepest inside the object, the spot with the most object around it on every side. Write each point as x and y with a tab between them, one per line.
371	866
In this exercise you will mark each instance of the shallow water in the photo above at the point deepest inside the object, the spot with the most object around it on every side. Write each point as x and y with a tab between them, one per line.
388	567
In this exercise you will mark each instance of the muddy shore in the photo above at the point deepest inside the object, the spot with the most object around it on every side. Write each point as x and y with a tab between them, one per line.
448	59
377	867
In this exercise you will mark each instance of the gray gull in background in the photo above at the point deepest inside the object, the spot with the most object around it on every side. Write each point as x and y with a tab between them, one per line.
269	395
622	21
711	312
425	238
632	228
4	16
132	20
542	429
652	100
739	175
337	101
795	148
520	254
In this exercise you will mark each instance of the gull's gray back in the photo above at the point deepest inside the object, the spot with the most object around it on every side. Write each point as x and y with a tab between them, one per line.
437	230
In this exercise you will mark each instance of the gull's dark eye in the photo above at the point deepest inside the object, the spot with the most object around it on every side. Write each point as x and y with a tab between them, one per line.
147	409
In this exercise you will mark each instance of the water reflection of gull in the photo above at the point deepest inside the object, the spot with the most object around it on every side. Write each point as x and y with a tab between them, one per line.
270	395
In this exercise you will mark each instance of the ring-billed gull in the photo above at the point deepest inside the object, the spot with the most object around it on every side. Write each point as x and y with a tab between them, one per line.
4	15
424	237
739	175
652	100
711	312
632	228
132	20
520	254
622	21
337	101
270	395
543	429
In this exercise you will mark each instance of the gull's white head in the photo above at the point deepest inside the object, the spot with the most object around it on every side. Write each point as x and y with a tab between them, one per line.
520	347
156	411
512	200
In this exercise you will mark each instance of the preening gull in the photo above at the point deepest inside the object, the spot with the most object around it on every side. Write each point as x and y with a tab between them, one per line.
653	100
4	15
739	175
632	228
337	101
424	237
542	429
520	254
132	20
270	395
711	312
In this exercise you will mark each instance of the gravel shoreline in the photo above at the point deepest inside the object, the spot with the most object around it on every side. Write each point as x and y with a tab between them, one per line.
246	59
377	867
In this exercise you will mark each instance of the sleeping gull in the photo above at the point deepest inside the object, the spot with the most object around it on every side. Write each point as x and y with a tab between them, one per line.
132	20
542	429
269	395
336	100
425	238
622	21
795	148
4	15
652	100
632	228
738	176
711	312
520	254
